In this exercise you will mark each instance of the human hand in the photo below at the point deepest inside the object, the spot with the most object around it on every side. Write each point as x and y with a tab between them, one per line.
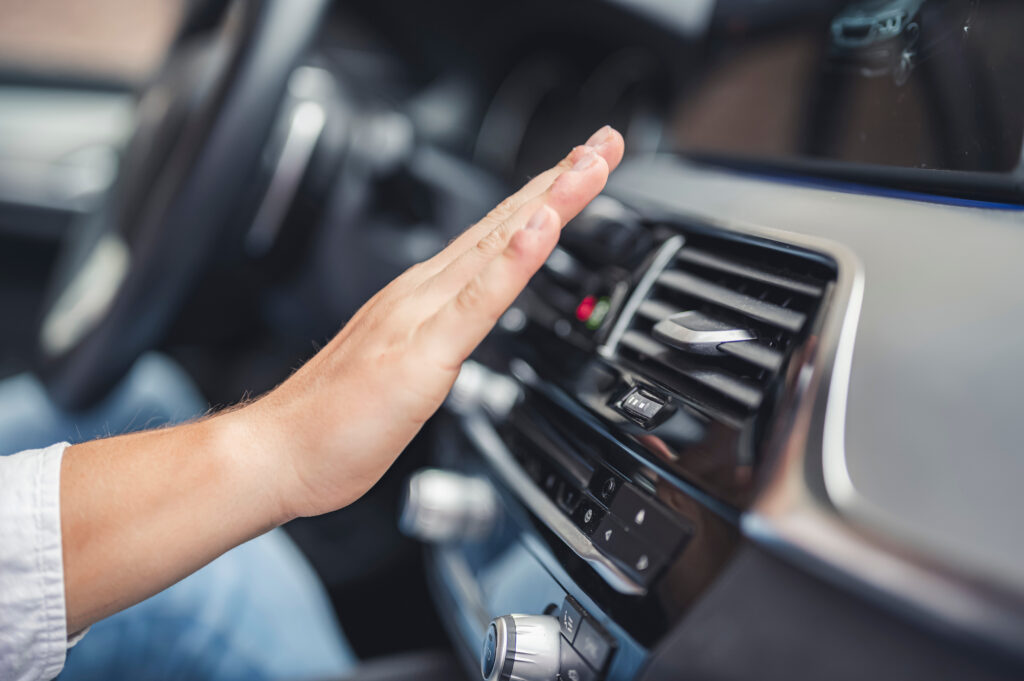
328	433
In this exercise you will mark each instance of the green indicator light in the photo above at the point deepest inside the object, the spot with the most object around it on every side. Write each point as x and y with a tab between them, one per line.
599	313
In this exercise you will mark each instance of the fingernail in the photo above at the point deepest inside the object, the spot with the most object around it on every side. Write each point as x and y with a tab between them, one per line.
600	137
585	160
540	219
579	152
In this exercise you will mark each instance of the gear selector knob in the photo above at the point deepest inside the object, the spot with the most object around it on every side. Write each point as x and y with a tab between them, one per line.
522	648
441	506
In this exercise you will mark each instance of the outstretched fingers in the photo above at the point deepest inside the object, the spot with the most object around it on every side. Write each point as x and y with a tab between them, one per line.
452	333
566	196
606	143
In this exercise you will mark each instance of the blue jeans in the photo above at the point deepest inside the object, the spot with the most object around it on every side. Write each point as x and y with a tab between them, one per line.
257	612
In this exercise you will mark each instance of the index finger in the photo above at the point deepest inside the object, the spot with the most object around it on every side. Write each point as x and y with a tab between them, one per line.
607	142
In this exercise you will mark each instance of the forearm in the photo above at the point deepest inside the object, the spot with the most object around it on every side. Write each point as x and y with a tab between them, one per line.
139	512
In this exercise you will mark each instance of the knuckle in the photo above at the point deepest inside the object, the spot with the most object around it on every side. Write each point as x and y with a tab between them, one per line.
503	210
493	242
470	298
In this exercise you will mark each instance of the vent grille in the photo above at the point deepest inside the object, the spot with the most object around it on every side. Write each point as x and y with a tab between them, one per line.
763	296
588	273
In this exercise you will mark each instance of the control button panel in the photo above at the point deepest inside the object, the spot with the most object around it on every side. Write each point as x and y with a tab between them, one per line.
626	523
648	520
640	558
586	647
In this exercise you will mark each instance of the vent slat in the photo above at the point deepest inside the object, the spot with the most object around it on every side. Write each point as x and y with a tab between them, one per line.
754	353
736	389
759	310
713	261
656	310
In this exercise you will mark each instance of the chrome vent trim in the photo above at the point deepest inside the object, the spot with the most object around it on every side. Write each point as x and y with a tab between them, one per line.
662	258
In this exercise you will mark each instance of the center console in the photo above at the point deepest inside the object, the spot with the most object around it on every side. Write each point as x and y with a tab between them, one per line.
610	433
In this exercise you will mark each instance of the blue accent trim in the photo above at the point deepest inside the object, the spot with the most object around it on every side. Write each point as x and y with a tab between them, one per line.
875	190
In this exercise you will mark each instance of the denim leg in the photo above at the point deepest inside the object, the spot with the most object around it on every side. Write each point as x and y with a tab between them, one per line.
257	612
155	392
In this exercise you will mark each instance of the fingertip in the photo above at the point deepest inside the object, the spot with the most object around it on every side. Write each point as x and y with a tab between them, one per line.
582	183
543	218
612	148
539	230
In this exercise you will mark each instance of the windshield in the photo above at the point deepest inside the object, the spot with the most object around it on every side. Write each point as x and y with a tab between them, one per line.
932	84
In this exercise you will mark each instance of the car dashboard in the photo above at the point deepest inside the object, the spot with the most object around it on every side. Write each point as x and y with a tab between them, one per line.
645	469
755	416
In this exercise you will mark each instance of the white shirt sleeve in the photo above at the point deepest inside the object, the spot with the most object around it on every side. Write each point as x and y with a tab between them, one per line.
33	635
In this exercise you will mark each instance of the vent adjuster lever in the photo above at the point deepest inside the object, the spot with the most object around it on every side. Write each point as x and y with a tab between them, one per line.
695	332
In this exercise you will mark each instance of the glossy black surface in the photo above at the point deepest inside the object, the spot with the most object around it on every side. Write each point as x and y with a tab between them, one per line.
700	434
657	490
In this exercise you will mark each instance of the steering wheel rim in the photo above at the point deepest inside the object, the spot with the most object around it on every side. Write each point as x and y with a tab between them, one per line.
126	271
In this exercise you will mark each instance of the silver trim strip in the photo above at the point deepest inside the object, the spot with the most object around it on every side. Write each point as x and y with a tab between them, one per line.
304	129
662	259
486	439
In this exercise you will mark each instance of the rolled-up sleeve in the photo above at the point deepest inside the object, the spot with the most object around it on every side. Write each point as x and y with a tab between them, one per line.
33	636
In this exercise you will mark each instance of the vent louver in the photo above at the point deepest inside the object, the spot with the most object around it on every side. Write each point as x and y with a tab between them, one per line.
720	321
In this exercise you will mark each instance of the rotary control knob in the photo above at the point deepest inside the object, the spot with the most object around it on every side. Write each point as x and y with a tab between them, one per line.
441	507
522	648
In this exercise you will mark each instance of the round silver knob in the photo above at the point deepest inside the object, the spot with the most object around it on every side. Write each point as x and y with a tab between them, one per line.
441	506
522	648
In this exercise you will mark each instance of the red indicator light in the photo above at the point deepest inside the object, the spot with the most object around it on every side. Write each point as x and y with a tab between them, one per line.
586	308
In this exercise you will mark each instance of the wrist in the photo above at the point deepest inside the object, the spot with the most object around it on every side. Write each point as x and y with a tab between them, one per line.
254	462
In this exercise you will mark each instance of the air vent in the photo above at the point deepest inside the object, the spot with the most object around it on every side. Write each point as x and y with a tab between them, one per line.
576	288
721	320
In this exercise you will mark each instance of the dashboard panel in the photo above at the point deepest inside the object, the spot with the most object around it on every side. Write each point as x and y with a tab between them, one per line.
747	421
541	429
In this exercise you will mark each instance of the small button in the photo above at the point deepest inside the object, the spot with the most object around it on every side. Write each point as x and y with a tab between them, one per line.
587	516
641	405
573	668
568	497
604	484
648	520
534	469
569	619
551	483
593	645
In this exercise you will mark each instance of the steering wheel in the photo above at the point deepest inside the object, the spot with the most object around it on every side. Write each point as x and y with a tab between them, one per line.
201	129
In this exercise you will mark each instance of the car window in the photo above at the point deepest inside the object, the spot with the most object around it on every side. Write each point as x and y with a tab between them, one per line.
121	40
